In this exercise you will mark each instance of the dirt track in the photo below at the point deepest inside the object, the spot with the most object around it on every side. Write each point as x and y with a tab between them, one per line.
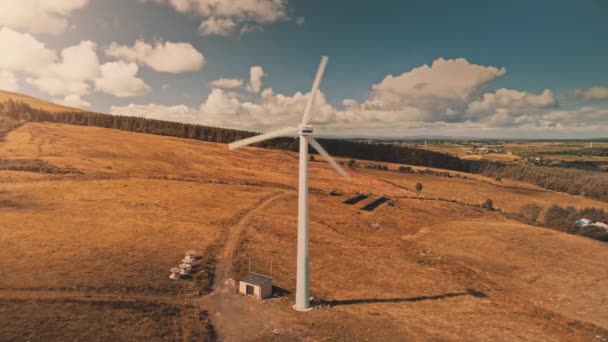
233	317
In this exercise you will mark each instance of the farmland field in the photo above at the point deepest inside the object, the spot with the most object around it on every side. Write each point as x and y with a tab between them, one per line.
513	151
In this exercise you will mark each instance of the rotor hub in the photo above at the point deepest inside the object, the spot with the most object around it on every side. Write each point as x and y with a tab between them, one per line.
305	130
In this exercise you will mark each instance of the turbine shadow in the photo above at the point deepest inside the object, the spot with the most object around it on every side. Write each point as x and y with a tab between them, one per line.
469	292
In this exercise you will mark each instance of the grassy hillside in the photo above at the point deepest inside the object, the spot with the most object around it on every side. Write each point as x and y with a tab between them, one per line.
35	102
99	244
576	182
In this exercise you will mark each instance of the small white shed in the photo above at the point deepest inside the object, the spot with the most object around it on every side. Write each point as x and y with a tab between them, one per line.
256	285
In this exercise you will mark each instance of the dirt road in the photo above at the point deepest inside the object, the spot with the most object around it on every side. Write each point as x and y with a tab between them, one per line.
233	316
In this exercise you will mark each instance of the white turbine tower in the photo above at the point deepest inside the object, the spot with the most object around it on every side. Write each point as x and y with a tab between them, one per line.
305	132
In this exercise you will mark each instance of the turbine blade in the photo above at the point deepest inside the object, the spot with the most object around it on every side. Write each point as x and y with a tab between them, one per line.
313	92
262	137
329	158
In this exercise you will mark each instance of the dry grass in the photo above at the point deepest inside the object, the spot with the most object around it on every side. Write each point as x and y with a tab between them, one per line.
507	195
390	271
105	153
90	320
531	263
113	235
402	272
499	157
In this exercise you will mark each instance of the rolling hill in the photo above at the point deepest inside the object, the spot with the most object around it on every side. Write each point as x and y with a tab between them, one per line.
91	238
36	103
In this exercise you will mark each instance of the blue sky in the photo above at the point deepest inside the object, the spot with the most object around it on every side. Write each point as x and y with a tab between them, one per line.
555	46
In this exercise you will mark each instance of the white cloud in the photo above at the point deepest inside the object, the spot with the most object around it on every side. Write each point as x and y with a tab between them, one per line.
449	96
225	17
251	28
167	57
507	107
22	52
69	77
593	93
79	64
225	109
431	93
73	101
179	113
227	83
8	81
256	73
119	79
38	16
300	21
217	27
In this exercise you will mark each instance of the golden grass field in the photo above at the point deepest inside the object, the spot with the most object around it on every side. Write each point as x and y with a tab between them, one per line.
90	251
507	194
35	102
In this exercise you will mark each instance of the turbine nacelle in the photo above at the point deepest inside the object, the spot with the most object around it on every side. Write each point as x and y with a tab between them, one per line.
305	130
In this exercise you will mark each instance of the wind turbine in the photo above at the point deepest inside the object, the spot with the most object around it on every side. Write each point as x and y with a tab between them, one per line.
305	132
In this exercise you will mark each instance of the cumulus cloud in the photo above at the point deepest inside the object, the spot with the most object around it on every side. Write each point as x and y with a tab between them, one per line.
179	113
22	52
439	92
79	64
507	107
167	57
584	117
217	26
227	83
73	101
222	108
119	79
256	73
8	81
593	93
57	77
225	17
449	96
37	16
67	76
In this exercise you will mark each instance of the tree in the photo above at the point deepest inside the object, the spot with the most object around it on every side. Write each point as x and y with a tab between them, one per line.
562	218
419	188
488	204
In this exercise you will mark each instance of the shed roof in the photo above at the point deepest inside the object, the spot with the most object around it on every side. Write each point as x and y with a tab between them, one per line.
256	279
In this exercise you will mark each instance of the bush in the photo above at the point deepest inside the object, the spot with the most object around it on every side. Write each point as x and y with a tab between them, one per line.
405	169
602	236
488	204
419	187
590	231
530	213
351	163
563	219
594	214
